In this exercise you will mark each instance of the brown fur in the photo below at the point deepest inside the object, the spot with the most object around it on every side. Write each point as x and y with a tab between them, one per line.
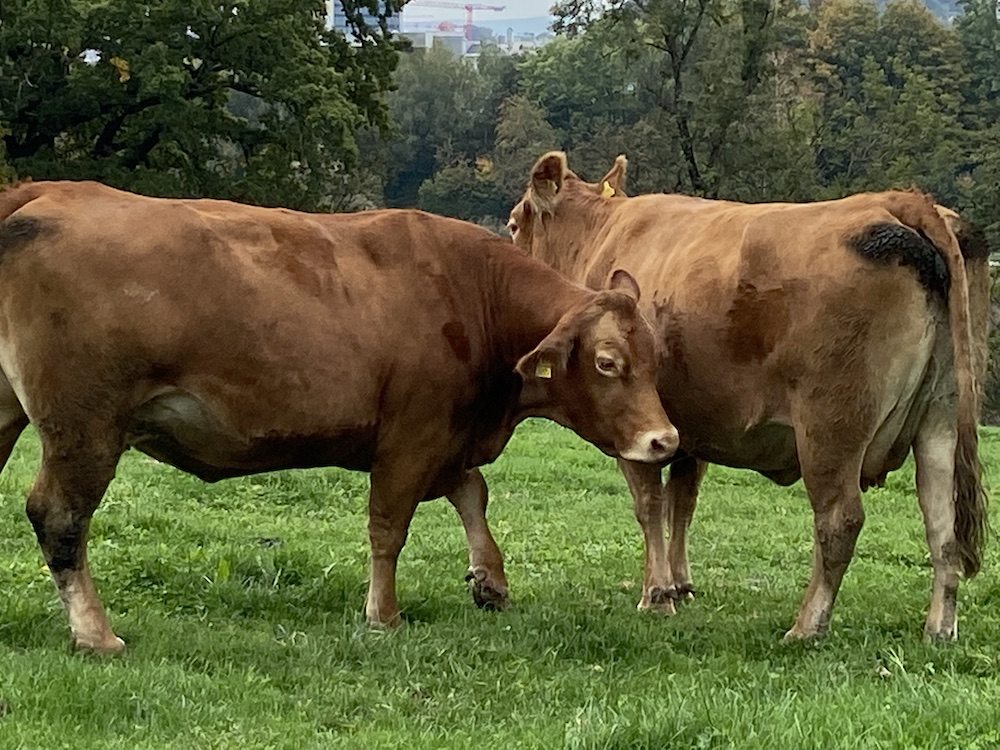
789	350
228	339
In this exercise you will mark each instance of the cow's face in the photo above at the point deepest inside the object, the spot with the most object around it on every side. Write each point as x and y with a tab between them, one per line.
596	374
519	225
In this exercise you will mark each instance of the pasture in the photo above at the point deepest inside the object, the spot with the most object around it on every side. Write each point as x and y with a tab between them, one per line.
241	605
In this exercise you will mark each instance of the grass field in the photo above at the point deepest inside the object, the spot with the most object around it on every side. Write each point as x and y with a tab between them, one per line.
241	604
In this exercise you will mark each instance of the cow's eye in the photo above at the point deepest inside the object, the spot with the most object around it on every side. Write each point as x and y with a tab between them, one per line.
513	229
607	366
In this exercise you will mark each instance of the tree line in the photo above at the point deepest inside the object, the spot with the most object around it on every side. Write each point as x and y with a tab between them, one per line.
255	100
743	99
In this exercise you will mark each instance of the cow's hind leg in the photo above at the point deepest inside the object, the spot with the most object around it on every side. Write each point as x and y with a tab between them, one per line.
10	430
832	480
69	487
646	485
934	451
682	497
486	576
13	420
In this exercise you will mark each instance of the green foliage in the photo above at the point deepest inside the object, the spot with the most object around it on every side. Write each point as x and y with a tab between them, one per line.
979	32
241	605
890	101
7	173
445	113
186	97
464	192
523	134
737	99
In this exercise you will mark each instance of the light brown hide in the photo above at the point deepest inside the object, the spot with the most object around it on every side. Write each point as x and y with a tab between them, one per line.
799	340
227	339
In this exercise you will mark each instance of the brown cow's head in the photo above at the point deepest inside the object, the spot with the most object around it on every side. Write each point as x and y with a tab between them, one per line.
596	374
558	203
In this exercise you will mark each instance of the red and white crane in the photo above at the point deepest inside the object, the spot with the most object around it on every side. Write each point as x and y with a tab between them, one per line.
469	8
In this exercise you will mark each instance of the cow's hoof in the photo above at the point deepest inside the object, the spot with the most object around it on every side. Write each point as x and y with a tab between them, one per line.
797	635
658	600
382	618
946	635
486	593
103	647
685	592
391	623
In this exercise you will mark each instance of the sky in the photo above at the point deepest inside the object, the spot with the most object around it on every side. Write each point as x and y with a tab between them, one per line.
514	9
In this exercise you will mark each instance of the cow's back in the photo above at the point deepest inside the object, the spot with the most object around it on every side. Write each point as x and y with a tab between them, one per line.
149	300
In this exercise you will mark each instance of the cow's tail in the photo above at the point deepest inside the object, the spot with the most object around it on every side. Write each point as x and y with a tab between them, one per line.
919	212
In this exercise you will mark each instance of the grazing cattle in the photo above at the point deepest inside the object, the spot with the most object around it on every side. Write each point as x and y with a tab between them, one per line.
227	339
819	340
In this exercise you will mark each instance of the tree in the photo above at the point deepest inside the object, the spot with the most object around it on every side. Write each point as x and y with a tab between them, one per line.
436	109
523	134
141	95
465	192
979	33
889	103
6	173
699	64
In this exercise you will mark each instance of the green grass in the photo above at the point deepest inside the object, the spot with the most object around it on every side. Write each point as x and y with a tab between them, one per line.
241	604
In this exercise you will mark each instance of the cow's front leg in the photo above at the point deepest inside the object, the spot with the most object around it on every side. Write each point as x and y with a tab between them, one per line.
486	577
682	497
66	492
645	484
393	498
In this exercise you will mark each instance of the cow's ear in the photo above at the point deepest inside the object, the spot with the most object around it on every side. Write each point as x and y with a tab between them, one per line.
613	183
622	281
547	180
547	359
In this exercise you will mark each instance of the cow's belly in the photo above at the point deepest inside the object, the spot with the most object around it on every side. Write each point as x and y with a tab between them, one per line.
185	431
767	448
728	422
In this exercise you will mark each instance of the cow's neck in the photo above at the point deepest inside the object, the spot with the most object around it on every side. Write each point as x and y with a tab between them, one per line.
530	300
568	241
526	301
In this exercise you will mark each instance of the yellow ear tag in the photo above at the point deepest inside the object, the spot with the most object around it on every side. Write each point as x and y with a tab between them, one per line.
543	369
608	191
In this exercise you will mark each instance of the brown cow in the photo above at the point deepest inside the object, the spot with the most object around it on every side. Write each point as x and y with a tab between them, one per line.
819	340
227	339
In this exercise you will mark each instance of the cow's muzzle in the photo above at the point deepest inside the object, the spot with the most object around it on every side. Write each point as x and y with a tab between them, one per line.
653	446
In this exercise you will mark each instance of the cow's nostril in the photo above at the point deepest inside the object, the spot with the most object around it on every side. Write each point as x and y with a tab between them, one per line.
663	443
653	446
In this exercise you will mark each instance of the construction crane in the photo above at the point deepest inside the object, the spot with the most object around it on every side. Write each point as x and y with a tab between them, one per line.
469	7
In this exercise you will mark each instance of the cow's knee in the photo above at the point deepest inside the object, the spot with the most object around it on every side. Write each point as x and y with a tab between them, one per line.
61	529
837	531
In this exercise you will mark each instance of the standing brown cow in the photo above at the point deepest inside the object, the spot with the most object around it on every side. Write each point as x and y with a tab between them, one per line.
819	340
227	339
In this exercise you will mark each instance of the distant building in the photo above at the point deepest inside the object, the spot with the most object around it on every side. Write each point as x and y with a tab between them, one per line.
337	19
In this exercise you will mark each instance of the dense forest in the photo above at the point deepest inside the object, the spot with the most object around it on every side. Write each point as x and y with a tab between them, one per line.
744	99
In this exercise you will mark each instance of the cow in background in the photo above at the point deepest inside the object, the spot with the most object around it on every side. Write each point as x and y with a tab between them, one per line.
818	340
226	340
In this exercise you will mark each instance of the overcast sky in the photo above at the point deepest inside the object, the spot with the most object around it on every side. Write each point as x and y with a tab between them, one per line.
514	9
